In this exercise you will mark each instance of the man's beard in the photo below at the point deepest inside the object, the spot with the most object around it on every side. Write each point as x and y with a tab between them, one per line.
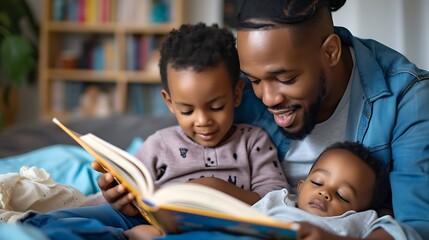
310	118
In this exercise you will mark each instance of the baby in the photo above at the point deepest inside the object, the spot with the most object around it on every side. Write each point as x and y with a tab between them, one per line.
344	183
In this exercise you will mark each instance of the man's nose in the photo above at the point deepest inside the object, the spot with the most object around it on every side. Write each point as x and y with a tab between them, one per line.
271	95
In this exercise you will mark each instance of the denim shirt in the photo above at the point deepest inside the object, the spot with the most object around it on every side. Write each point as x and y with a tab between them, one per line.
388	113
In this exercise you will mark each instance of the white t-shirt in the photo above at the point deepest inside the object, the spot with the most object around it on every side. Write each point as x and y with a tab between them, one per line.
302	153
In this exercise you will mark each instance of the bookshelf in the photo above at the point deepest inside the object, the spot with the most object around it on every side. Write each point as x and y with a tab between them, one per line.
99	57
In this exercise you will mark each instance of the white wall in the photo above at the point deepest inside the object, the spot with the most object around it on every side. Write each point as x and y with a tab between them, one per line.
416	30
400	24
208	11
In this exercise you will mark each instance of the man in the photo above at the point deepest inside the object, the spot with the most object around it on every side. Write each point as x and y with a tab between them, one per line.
312	84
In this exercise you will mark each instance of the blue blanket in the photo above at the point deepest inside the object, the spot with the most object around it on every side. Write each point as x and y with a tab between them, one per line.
25	232
66	164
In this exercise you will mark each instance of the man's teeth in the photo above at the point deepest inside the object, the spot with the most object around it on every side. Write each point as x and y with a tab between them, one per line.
285	115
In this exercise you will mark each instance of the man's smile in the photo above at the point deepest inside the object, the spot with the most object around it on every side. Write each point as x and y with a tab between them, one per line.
284	118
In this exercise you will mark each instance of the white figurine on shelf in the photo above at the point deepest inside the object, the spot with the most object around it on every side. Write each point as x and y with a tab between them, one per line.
95	103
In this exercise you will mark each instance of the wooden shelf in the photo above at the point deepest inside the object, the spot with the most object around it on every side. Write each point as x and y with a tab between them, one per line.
148	29
103	76
79	75
55	33
143	77
64	27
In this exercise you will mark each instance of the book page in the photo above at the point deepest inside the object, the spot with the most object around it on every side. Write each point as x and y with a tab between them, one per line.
126	164
199	197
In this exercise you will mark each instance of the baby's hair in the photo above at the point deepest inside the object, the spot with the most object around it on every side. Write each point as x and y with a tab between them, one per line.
375	164
199	47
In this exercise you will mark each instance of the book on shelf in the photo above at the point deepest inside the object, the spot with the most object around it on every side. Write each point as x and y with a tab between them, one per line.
84	11
128	12
137	100
133	12
105	11
91	9
183	207
131	53
58	10
98	57
109	48
72	11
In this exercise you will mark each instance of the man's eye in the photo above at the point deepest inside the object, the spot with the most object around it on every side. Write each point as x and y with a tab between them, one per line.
254	80
342	198
287	80
216	109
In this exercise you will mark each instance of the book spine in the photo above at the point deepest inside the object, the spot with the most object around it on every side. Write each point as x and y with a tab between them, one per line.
143	53
137	99
130	52
81	10
58	10
91	10
113	11
109	54
98	57
136	52
105	11
72	10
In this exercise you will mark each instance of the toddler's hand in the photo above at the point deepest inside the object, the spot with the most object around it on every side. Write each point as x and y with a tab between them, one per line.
115	194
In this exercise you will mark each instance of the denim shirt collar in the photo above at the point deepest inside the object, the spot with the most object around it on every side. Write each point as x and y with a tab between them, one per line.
370	72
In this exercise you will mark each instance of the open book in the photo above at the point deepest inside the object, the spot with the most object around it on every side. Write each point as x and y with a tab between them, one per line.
180	207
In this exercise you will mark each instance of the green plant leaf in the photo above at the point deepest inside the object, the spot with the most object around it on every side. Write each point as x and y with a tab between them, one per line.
4	20
16	58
